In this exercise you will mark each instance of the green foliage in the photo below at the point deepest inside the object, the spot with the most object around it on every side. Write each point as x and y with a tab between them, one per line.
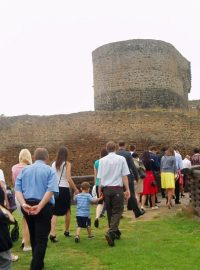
164	243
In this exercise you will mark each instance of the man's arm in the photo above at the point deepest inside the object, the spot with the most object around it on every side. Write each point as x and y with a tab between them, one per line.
126	185
22	202
133	168
37	208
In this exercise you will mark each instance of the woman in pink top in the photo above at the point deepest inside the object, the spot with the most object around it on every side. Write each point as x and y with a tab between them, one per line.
24	160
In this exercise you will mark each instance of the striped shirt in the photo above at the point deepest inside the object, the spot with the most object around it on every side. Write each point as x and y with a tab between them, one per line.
83	204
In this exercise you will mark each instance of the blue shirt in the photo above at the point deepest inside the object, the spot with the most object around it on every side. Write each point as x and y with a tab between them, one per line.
83	204
35	180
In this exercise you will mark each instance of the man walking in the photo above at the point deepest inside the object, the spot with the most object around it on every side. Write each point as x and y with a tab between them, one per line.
35	187
112	174
133	175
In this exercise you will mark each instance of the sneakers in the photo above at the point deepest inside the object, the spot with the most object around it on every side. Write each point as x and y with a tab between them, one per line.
110	239
14	258
96	223
26	249
154	207
90	236
77	239
67	234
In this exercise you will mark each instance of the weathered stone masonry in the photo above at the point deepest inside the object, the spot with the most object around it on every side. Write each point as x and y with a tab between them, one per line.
141	93
140	74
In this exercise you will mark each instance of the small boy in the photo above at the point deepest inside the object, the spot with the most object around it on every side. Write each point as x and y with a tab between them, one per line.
84	199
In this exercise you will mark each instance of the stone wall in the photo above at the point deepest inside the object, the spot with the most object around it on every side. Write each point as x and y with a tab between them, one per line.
140	74
86	133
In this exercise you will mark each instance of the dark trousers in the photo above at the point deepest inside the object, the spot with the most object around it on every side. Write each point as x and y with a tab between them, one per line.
114	201
132	202
39	227
177	191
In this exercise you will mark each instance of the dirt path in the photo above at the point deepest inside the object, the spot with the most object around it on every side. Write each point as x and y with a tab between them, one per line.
161	211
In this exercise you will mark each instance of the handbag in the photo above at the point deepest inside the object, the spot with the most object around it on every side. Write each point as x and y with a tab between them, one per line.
154	183
142	173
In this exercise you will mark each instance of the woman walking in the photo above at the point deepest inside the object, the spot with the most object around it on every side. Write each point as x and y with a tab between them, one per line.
168	174
149	182
63	202
24	160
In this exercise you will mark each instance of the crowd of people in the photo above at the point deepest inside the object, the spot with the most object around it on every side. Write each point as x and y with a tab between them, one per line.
121	174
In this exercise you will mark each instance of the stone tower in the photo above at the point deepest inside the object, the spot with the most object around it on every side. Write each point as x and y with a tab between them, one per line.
140	74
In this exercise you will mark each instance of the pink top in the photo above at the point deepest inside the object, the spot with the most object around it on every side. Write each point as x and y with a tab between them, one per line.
16	169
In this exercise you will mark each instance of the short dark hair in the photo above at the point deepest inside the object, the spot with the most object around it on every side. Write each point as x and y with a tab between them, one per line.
85	186
121	143
132	147
152	148
196	150
41	154
111	146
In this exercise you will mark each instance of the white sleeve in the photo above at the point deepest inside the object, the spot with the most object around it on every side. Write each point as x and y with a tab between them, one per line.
2	178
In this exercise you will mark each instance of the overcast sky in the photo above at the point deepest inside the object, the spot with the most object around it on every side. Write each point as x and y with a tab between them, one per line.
46	47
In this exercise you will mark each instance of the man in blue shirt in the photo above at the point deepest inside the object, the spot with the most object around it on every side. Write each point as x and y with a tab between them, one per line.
34	188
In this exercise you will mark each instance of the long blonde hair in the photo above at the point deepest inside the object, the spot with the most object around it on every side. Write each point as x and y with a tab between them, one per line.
25	156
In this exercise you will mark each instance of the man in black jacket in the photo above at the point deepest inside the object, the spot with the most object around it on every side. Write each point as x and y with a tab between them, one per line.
132	202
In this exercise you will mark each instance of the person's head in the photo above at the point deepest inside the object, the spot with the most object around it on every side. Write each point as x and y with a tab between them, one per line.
196	150
153	148
187	157
25	156
111	146
41	154
169	152
135	155
104	152
145	157
132	147
163	149
61	157
122	144
85	187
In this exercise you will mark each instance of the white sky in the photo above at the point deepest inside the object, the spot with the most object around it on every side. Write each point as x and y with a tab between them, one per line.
46	46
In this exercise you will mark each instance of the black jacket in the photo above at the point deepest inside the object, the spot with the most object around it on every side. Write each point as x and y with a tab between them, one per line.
129	159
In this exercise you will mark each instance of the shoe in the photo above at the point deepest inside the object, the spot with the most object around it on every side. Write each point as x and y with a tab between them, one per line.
117	234
53	238
14	258
77	239
90	236
142	211
27	249
96	223
140	214
177	202
67	234
110	239
154	207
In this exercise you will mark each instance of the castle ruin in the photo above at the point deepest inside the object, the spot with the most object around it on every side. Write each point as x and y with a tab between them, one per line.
141	95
